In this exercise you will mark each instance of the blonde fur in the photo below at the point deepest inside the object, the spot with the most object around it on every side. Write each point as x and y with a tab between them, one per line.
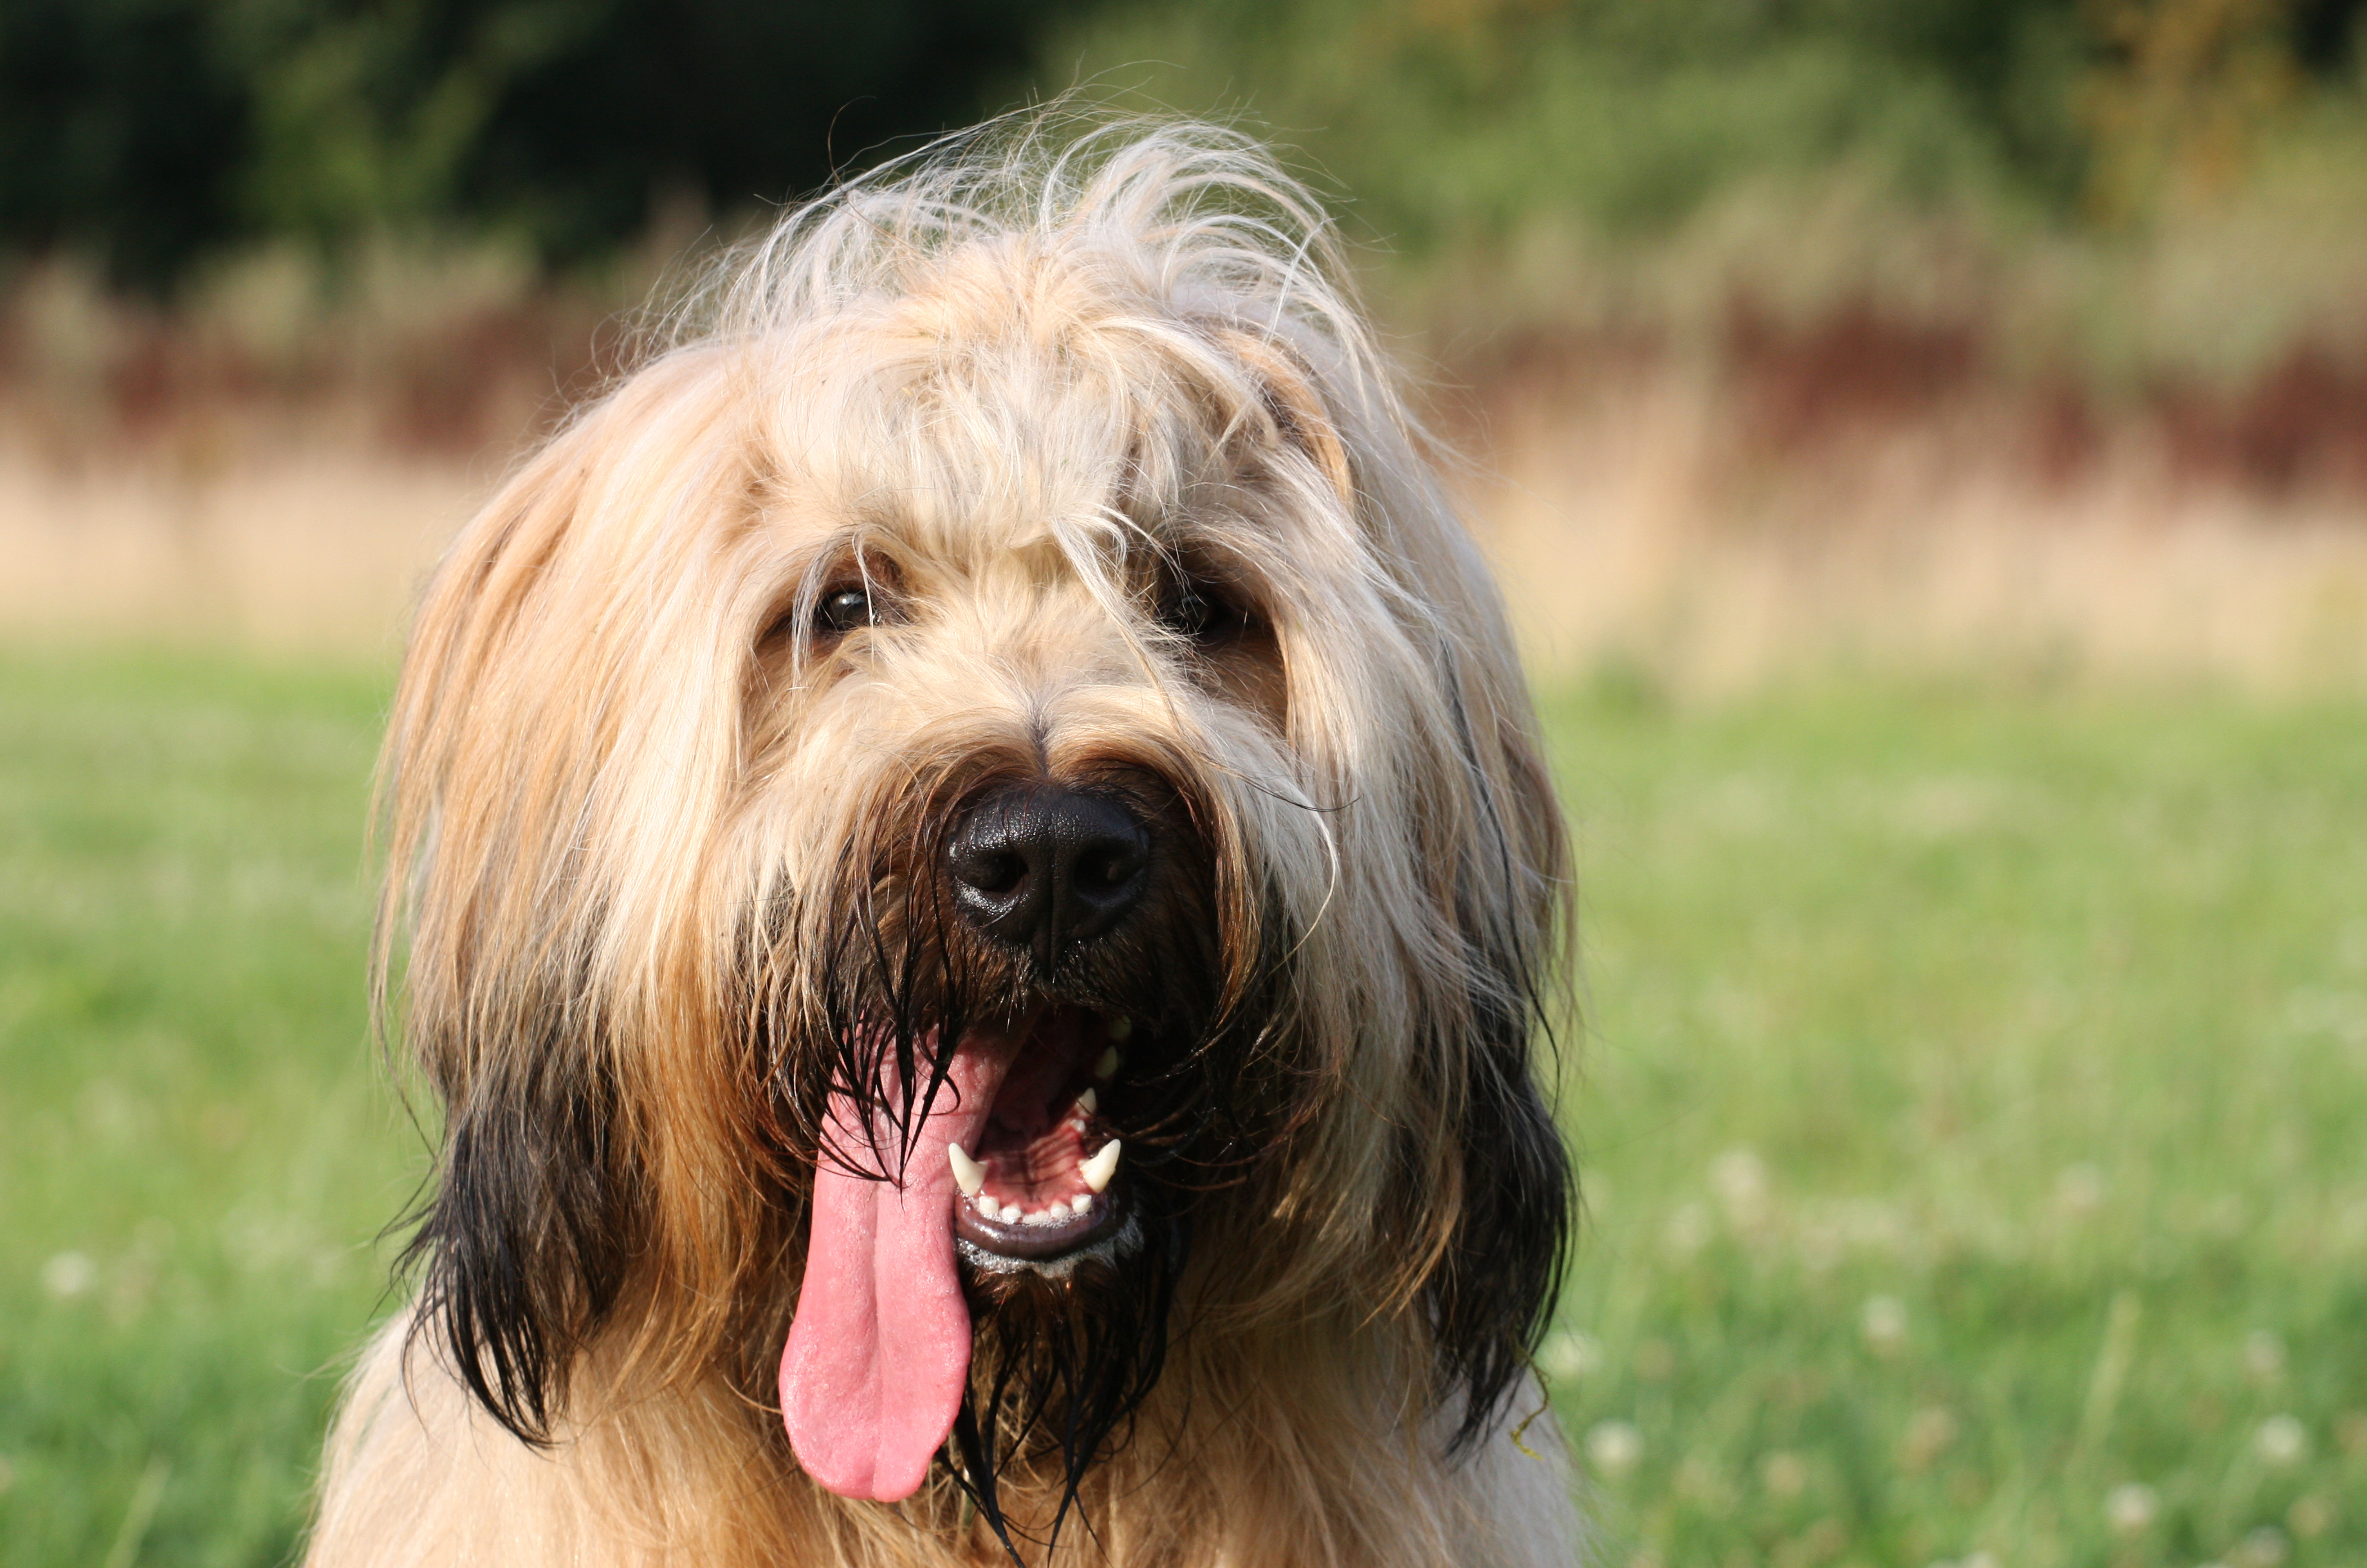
1017	382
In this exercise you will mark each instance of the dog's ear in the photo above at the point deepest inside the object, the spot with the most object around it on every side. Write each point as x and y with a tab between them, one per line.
1492	1293
1511	1178
1482	1192
1502	1171
529	1236
522	1241
505	794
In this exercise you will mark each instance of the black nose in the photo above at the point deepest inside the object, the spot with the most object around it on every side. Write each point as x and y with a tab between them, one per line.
1045	868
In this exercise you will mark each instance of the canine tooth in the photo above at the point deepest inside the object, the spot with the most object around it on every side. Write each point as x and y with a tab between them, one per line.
968	1175
1107	1068
1120	1026
1089	1102
1098	1170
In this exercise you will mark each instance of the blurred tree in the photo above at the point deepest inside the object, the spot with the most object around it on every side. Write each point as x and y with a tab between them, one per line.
2185	88
122	130
151	131
1461	122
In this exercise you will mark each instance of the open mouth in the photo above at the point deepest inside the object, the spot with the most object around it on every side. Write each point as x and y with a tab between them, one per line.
877	1357
1042	1188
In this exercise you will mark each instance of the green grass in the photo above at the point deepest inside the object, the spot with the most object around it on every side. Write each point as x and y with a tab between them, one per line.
1973	1106
1970	1109
196	1154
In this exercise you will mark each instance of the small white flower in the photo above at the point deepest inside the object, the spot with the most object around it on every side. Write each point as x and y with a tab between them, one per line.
68	1275
2130	1509
2281	1440
1614	1447
1784	1473
2263	1548
1883	1320
2079	1189
1569	1355
1740	1179
1930	1433
1688	1230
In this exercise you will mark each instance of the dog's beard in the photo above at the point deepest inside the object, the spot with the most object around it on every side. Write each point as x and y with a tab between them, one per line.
1059	1351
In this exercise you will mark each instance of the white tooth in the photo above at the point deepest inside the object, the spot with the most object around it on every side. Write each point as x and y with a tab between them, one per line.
990	1208
1060	1209
1119	1027
1089	1102
1098	1170
1107	1068
968	1175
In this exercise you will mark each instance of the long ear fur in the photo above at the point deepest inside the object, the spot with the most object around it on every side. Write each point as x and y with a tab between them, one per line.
496	928
1484	1185
526	1242
1502	1267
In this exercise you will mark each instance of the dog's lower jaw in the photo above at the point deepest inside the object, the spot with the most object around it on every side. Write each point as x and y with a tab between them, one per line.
1113	1248
1232	1465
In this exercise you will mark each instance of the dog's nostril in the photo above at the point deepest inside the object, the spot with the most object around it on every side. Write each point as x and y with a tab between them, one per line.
1044	868
993	873
1107	870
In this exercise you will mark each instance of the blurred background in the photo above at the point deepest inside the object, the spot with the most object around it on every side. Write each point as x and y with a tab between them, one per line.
1925	444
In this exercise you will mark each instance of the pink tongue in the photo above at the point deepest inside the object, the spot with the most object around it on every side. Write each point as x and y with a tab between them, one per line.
880	1351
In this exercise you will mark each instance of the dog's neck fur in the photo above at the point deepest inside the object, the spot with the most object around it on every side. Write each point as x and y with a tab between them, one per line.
1218	1472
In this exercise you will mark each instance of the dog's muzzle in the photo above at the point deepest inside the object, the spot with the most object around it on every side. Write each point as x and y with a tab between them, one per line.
1015	1166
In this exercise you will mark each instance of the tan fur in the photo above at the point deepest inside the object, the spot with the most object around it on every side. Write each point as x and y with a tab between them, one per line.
1020	379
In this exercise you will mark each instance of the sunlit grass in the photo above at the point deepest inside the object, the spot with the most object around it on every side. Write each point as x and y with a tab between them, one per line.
195	1152
1970	1109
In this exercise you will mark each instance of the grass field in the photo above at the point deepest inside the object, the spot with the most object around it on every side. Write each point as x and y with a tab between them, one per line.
1972	1104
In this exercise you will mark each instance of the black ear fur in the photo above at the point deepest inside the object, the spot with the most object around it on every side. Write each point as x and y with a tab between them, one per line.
1493	1292
525	1242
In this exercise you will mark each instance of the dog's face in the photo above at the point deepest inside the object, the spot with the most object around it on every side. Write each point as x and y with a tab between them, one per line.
980	809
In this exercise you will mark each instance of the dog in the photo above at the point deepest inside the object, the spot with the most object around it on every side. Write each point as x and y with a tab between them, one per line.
971	870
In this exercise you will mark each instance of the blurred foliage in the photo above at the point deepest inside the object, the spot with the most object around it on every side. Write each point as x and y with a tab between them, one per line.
154	133
1464	121
2139	196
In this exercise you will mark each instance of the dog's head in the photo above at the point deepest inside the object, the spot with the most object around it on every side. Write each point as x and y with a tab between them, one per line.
980	796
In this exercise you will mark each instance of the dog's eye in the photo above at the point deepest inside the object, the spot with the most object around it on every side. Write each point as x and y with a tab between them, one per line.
841	611
1202	613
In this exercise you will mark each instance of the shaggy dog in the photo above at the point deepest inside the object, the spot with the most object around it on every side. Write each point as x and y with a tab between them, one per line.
971	868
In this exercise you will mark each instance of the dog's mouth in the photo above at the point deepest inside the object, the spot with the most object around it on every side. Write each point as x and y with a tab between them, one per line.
1013	1164
1042	1188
